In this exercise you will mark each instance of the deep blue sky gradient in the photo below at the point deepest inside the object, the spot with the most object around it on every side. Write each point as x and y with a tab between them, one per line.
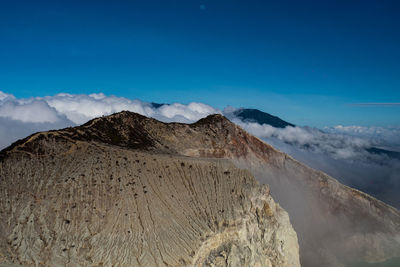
305	61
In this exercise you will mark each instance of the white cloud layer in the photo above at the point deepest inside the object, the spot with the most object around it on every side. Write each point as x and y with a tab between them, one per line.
384	136
334	144
62	110
21	117
36	111
342	152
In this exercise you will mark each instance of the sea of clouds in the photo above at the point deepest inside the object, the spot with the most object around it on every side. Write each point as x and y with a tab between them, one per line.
341	151
20	117
344	152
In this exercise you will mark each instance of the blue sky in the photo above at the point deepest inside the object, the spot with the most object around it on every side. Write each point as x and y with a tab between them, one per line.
308	62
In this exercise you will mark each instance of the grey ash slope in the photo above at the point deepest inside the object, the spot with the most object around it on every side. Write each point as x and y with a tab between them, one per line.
111	193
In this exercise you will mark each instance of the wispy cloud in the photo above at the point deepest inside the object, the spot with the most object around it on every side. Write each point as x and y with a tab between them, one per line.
376	104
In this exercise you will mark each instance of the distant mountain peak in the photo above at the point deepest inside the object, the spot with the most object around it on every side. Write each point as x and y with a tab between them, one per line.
255	115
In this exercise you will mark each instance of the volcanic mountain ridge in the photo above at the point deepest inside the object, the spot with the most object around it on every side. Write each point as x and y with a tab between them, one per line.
335	224
108	193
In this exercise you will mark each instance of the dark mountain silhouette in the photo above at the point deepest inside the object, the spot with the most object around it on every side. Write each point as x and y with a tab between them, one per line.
380	151
255	115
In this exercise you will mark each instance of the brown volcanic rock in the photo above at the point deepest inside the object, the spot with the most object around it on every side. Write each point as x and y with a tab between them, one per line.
102	194
214	136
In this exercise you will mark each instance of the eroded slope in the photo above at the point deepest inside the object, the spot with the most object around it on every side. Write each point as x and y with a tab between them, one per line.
69	202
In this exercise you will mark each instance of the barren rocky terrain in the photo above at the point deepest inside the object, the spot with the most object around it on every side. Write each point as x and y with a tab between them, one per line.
67	201
190	212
